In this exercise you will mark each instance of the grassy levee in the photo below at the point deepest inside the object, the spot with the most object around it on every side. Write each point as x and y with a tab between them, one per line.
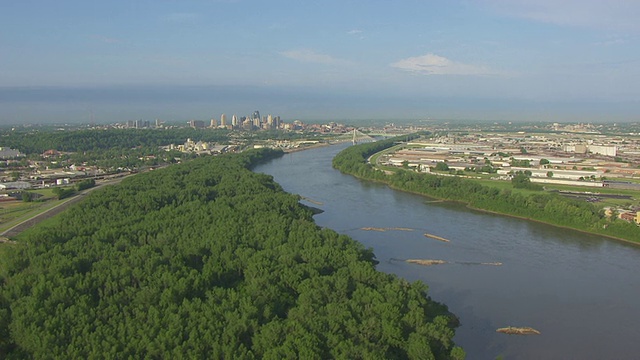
540	206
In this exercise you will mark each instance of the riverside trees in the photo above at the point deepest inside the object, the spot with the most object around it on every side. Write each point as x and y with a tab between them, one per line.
207	260
538	205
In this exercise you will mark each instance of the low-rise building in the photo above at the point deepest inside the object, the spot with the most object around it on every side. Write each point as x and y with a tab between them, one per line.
8	153
20	185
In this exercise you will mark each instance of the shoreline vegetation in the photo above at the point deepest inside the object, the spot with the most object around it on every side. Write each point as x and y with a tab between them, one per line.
542	207
209	241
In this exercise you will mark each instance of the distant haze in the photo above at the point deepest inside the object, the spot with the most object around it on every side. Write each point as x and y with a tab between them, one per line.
119	104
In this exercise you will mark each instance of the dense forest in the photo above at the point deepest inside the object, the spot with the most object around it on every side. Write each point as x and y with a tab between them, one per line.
34	141
207	260
114	149
30	141
540	206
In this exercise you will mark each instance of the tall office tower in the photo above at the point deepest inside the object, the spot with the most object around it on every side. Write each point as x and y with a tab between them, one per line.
223	120
214	123
196	124
234	120
270	121
276	121
256	116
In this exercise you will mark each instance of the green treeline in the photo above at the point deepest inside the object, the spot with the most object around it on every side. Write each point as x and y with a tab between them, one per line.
353	160
85	184
207	260
31	141
34	141
65	192
541	206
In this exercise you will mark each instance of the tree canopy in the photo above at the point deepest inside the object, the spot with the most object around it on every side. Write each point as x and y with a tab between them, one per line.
207	260
34	141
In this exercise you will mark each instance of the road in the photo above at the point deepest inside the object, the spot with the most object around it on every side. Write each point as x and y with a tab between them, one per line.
20	227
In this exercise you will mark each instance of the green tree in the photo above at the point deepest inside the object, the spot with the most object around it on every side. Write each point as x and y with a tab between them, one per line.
520	181
207	259
520	163
442	166
63	192
26	196
85	184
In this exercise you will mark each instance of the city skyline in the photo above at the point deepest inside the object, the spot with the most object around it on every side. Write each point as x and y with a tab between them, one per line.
486	60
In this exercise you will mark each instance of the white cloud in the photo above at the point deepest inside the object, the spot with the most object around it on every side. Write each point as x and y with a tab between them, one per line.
431	64
610	14
359	34
310	56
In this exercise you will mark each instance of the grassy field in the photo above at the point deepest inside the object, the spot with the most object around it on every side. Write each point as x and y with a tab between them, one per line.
16	211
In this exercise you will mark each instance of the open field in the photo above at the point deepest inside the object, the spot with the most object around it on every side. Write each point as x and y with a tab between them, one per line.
14	212
20	215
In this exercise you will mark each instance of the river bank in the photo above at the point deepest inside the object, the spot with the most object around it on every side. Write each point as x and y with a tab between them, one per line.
540	207
314	146
565	284
584	231
626	241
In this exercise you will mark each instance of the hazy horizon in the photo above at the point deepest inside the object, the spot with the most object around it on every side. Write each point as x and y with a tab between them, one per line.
516	60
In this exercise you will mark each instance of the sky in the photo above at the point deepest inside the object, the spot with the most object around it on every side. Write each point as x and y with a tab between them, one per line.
511	60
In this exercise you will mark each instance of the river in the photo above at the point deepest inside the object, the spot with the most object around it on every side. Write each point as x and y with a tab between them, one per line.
581	292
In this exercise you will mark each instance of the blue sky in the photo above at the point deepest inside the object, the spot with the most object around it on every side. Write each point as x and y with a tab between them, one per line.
569	60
